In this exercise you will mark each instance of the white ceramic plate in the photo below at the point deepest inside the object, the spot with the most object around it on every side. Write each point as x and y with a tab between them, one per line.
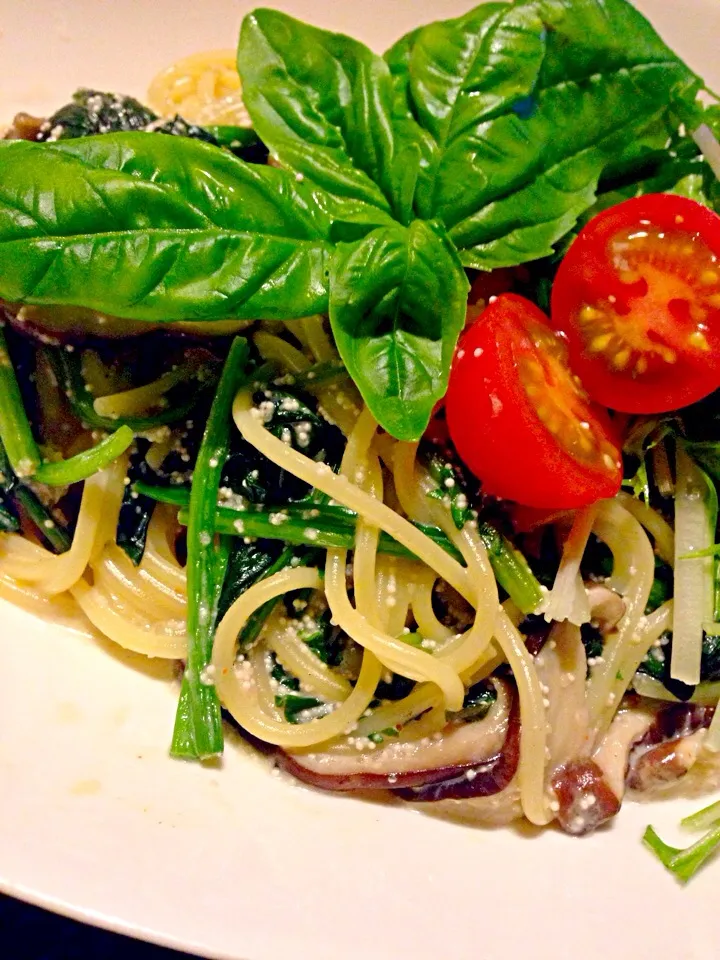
98	823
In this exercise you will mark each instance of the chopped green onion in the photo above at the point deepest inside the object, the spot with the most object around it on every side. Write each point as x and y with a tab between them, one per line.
378	736
198	724
684	863
15	431
87	463
703	819
713	551
295	703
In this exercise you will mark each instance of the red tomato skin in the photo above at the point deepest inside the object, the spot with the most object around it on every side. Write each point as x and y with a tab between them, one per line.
586	275
497	431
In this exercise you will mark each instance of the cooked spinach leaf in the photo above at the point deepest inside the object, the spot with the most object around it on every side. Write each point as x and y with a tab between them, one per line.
136	509
91	112
292	417
657	665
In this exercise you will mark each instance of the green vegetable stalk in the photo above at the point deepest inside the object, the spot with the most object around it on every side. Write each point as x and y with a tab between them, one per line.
83	465
13	494
198	725
15	431
683	862
334	526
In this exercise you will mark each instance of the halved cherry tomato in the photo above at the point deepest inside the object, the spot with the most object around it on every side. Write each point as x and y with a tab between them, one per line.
519	418
638	298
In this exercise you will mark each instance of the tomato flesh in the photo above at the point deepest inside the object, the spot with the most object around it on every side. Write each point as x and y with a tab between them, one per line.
638	298
521	420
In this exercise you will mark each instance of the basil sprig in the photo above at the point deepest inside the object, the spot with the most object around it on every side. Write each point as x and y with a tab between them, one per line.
475	142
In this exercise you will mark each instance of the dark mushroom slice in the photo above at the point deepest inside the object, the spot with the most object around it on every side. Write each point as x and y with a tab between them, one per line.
485	779
664	763
24	127
484	754
585	799
669	748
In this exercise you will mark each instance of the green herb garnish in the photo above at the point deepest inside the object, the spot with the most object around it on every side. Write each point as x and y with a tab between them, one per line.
395	173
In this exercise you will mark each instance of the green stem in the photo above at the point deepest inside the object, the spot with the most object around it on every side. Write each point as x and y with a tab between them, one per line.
328	371
684	863
15	431
56	535
178	496
14	491
198	724
335	527
319	374
184	717
511	569
86	464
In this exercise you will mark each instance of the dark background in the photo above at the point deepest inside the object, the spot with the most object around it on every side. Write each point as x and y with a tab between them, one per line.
28	933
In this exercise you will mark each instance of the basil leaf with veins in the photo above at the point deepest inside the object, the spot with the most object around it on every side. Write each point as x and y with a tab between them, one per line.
397	306
322	102
158	228
526	105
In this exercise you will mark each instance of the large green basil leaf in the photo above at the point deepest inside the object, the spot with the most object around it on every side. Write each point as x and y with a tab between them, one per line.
158	228
323	103
415	145
397	306
526	105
